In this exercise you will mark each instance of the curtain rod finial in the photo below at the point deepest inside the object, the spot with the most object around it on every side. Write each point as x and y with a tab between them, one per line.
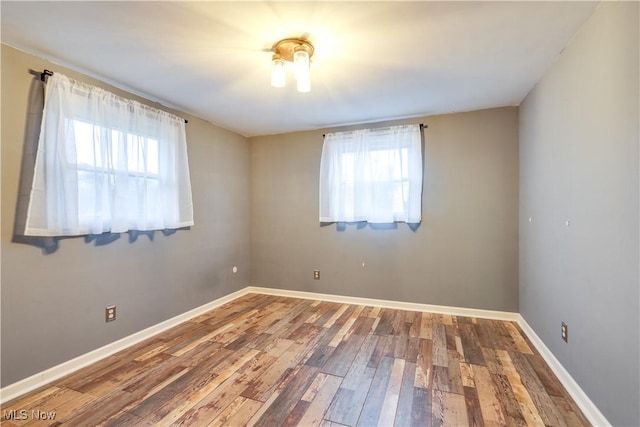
45	74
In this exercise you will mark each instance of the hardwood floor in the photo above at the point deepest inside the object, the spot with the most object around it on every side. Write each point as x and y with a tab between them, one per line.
269	361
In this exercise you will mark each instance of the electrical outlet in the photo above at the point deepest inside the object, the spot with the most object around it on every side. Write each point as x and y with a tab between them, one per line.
316	274
565	332
110	313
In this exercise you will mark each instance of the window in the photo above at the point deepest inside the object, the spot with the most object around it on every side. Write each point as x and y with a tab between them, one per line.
372	175
107	164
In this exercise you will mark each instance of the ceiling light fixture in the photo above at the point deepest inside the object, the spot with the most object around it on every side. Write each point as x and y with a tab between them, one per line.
297	51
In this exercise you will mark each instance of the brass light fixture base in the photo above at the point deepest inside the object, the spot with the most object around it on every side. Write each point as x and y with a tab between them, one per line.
285	48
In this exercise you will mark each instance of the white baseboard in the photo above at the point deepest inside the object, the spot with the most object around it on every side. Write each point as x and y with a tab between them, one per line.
40	379
398	305
585	404
48	375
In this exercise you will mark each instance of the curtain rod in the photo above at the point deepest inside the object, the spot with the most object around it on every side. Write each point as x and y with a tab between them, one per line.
47	73
422	126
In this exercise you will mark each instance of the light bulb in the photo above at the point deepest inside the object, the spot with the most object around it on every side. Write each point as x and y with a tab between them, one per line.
278	73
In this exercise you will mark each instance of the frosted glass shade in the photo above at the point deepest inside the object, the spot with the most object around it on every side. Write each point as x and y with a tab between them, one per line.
303	83
278	73
301	64
301	70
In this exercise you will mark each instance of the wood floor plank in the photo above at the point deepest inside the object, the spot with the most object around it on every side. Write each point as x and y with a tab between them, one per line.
440	379
518	339
63	404
318	406
451	332
328	310
421	409
371	312
414	330
157	382
522	396
437	408
327	423
287	400
261	387
162	401
471	344
358	368
315	386
532	385
230	410
426	323
240	414
290	316
455	375
262	409
487	338
413	345
271	360
121	377
489	403
474	413
492	361
570	411
27	403
199	393
424	365
499	333
295	414
405	397
466	375
384	347
125	419
342	358
205	351
212	404
342	334
101	410
448	319
511	408
550	382
392	394
454	409
190	340
347	404
373	403
401	341
329	323
440	352
255	367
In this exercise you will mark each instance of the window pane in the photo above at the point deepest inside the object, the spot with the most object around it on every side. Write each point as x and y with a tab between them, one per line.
99	156
83	133
142	154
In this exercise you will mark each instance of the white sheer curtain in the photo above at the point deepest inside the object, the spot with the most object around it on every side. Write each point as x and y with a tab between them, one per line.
372	175
107	164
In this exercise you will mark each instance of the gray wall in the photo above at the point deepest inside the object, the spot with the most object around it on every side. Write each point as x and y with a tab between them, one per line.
464	254
53	305
579	161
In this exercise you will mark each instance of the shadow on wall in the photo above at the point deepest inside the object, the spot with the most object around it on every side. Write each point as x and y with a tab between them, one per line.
342	226
50	245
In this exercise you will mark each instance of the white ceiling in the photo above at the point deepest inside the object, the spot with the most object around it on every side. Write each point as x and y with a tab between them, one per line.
374	60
